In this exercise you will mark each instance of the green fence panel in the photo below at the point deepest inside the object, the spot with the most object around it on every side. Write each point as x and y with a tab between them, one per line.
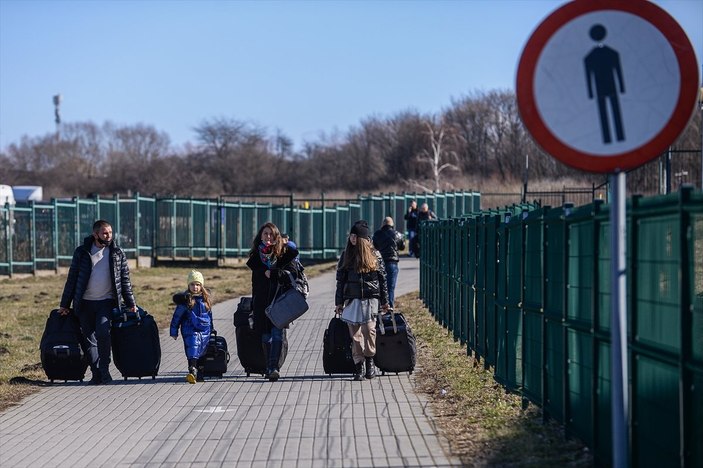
6	218
67	241
532	362
470	282
146	212
492	271
582	267
554	368
693	456
22	243
555	311
658	292
602	420
500	321
481	294
655	413
580	385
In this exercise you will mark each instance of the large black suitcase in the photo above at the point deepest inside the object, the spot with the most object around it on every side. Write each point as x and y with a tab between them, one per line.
62	357
250	350
136	349
337	348
214	362
395	344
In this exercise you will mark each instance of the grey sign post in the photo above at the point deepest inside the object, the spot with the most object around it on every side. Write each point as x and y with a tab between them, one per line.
570	90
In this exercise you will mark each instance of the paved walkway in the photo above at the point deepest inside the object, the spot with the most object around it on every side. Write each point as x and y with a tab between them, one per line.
305	419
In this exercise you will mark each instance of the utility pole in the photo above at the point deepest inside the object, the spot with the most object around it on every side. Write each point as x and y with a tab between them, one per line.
57	115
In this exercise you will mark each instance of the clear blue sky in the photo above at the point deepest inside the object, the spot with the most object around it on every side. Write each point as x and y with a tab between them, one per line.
301	67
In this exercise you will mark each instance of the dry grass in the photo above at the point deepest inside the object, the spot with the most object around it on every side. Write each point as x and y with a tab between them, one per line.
485	426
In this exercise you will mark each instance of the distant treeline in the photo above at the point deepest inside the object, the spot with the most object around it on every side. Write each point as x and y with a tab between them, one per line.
477	138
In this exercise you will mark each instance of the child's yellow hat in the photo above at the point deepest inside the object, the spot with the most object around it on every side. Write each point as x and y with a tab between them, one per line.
196	277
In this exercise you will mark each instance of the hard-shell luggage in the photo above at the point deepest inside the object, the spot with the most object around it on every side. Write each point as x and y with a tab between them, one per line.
250	350
62	357
337	348
214	362
395	344
136	349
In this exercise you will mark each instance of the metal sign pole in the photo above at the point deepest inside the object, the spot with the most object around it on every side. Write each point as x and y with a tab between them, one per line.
618	322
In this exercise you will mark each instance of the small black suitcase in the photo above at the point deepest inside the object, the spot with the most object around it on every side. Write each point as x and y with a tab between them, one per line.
337	348
395	344
250	350
214	362
136	349
62	357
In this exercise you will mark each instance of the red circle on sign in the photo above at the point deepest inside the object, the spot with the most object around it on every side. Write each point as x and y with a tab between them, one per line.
688	71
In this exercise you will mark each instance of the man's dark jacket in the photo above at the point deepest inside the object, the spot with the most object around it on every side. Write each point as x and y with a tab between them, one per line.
81	268
388	241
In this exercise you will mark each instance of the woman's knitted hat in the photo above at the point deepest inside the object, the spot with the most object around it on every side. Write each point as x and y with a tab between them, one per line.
196	277
361	229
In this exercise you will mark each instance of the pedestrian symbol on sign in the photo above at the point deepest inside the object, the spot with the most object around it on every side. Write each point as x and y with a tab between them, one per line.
602	68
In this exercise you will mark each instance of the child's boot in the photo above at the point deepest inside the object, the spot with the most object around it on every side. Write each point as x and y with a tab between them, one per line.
192	371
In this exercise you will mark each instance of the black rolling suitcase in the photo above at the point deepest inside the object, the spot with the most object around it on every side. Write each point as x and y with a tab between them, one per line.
337	348
395	344
214	362
250	350
136	349
62	357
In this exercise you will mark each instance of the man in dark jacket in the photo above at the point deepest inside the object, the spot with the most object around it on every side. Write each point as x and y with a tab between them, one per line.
411	226
98	281
388	242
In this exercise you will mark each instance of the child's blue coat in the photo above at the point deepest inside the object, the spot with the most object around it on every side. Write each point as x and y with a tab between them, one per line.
195	324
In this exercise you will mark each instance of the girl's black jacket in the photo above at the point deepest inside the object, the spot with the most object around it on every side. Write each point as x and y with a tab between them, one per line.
353	285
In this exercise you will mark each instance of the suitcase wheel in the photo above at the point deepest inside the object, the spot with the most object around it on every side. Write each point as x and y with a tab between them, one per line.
124	377
153	377
248	373
383	372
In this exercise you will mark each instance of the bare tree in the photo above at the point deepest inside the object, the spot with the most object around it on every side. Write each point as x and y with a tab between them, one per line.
436	157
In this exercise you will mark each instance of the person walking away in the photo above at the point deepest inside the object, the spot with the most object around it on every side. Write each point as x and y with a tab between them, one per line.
425	214
98	281
361	287
271	260
193	316
388	242
411	227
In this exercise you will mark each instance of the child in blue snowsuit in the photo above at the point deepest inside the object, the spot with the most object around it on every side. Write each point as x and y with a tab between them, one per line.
194	317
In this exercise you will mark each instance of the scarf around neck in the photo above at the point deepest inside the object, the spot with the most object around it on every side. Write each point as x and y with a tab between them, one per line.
266	255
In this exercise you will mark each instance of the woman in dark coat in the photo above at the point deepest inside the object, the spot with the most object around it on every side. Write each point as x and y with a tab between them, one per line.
271	260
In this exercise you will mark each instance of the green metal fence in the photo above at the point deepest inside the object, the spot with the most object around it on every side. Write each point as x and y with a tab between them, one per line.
43	236
528	290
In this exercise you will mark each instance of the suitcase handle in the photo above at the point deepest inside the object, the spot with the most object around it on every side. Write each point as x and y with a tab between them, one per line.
395	325
62	350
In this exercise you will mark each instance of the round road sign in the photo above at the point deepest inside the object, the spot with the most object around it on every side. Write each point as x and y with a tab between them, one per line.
606	86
